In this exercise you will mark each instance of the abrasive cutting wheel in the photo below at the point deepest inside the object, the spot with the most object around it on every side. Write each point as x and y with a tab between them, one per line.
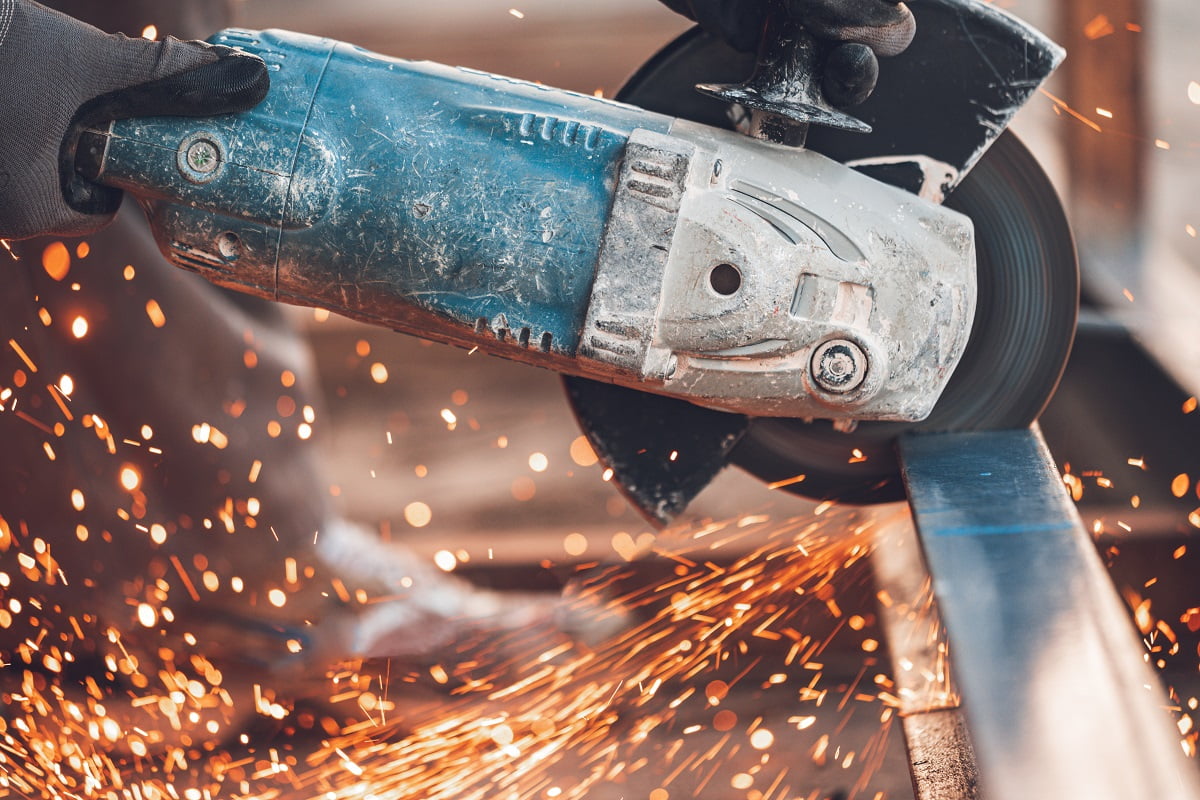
1027	269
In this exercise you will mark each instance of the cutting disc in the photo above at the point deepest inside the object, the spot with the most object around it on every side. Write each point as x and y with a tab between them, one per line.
1027	303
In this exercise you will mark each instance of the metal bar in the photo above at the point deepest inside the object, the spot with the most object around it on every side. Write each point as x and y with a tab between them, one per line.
940	755
941	759
1059	701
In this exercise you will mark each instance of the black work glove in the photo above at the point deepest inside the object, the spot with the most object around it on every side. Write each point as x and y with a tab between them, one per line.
59	76
859	30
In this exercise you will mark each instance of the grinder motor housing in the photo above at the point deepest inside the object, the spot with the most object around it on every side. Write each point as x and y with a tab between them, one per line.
569	231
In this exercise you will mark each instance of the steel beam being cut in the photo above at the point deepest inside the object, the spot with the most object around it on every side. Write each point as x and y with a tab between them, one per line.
1058	699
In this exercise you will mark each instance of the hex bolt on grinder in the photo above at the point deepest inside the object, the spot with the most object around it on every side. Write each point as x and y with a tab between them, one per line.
738	275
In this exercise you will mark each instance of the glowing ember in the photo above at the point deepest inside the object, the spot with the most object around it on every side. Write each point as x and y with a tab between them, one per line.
56	260
79	327
1099	27
445	560
130	479
146	615
582	453
418	514
575	544
155	313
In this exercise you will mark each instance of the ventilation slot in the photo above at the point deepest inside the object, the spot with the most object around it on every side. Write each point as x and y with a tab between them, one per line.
566	132
196	260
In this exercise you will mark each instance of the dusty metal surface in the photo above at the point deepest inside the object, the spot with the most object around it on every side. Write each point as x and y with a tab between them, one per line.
774	253
941	757
1058	699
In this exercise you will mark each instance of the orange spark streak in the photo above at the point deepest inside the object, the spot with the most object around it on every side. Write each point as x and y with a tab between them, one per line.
35	423
1062	104
787	482
183	576
62	406
24	356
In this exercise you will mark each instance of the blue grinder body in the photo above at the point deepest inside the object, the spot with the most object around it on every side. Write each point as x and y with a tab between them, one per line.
440	201
563	230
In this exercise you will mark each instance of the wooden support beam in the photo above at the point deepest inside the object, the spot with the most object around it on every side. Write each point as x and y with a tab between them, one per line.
1105	83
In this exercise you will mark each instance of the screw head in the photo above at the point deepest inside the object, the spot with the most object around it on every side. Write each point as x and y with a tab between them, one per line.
199	158
838	366
203	156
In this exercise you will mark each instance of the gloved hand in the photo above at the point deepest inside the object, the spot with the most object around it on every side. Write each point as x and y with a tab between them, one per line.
860	30
59	76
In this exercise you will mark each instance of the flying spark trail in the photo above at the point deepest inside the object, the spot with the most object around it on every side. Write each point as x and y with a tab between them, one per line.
755	606
573	718
529	715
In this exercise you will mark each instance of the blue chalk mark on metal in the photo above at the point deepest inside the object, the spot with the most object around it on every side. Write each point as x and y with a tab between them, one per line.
1007	529
981	484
